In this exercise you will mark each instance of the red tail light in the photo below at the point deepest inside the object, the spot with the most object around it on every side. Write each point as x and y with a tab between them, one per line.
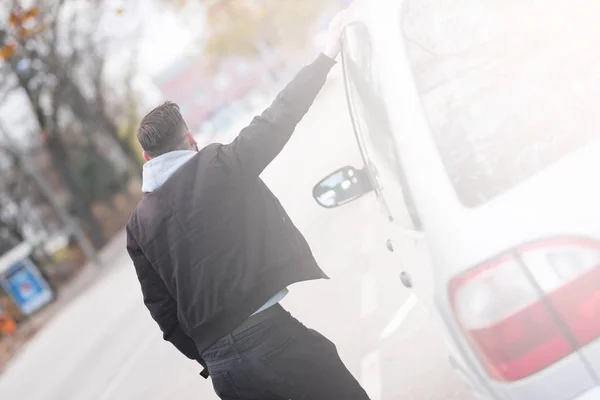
525	312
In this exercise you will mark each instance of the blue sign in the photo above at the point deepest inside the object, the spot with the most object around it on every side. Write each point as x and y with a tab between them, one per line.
26	286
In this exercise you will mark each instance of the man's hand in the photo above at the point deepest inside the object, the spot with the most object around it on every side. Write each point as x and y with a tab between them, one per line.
336	28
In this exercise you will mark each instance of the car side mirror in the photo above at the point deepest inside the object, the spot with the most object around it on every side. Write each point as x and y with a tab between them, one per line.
342	186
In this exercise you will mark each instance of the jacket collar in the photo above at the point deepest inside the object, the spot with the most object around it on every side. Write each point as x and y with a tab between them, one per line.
158	170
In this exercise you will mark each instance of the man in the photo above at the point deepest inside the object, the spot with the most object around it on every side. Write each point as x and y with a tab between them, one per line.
215	251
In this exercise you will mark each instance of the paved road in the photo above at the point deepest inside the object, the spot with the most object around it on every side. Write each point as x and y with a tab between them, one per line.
105	346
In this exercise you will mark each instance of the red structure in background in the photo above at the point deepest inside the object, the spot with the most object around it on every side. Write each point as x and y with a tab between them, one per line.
8	326
209	101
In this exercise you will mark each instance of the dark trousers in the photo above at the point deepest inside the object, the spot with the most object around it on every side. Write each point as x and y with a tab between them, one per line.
278	358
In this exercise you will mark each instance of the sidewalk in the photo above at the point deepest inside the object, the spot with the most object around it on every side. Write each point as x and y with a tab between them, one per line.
88	277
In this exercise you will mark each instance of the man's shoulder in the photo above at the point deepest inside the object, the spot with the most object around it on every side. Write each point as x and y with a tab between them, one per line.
138	223
210	158
130	229
132	220
208	151
137	215
205	156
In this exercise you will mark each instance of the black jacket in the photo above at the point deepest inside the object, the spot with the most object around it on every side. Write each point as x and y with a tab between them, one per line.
213	244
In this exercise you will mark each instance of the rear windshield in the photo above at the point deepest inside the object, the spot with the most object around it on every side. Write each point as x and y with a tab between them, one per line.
509	87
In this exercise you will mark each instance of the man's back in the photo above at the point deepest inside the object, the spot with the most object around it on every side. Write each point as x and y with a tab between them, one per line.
221	242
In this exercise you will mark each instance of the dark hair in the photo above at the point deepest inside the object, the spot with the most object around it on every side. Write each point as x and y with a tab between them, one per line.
162	130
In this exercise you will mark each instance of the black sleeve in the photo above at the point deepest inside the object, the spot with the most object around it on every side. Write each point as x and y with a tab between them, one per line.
159	301
261	141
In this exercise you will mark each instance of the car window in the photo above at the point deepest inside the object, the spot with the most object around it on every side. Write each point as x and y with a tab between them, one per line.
508	87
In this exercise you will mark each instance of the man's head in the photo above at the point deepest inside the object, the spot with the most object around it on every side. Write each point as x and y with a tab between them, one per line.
164	130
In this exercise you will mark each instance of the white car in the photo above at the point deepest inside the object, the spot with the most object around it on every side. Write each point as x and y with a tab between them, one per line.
479	125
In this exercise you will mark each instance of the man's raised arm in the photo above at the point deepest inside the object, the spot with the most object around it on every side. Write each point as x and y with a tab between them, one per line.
261	141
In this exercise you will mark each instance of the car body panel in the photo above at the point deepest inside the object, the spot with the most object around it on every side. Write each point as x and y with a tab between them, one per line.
589	395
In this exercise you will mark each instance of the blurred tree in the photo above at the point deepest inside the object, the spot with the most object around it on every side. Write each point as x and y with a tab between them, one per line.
51	54
116	108
96	176
250	28
120	111
17	196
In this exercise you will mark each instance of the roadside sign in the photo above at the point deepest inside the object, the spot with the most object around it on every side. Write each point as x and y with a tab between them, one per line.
23	282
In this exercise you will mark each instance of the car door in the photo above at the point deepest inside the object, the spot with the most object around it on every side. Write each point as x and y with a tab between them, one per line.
370	118
370	84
